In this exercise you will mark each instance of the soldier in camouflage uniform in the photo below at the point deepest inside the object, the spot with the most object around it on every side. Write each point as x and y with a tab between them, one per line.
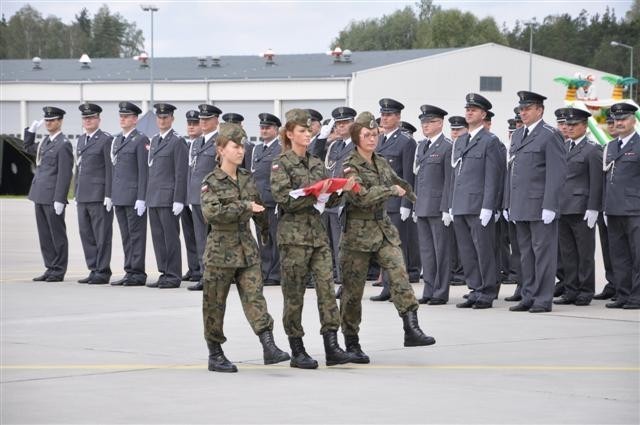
369	233
229	200
303	241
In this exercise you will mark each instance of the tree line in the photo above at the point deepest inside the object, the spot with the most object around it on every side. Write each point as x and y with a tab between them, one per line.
27	34
584	39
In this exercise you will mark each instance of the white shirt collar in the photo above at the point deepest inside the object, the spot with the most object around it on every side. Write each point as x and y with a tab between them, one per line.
626	139
89	136
532	126
473	133
55	135
347	141
268	145
436	137
125	135
163	135
580	140
389	134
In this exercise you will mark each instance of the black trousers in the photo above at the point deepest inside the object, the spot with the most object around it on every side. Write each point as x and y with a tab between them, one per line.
52	234
95	224
577	250
133	229
624	246
188	231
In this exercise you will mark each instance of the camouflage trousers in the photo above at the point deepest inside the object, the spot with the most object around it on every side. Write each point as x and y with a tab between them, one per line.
355	265
217	281
296	262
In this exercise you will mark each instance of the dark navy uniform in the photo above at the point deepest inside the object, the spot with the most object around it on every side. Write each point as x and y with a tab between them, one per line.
622	207
50	185
93	197
129	153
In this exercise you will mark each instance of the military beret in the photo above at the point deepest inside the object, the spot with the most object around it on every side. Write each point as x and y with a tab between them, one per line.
128	108
489	116
390	105
89	109
560	114
299	117
407	128
430	111
530	98
367	120
193	115
620	111
269	119
208	111
457	121
575	115
315	115
233	132
479	101
232	117
164	109
512	124
343	113
53	113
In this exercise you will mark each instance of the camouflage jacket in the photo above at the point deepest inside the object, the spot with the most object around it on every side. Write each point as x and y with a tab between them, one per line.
367	222
226	207
299	222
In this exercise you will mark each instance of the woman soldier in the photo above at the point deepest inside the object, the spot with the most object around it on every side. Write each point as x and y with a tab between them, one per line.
229	199
370	233
303	242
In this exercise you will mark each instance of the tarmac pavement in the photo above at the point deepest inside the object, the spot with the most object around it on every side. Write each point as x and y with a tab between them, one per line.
73	353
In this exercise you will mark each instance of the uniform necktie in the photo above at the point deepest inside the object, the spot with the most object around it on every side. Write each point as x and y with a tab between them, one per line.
526	133
619	145
426	146
572	145
46	140
384	139
159	140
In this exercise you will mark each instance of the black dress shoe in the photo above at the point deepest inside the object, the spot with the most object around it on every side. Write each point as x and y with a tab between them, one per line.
582	302
130	282
119	282
631	306
615	304
54	278
377	284
514	297
563	301
539	309
271	282
85	280
153	284
605	295
520	307
558	290
424	300
381	297
437	301
465	296
414	279
197	287
98	281
466	304
508	281
457	282
481	305
186	276
40	278
165	284
195	278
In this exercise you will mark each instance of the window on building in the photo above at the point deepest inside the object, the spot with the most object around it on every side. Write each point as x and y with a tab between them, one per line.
490	83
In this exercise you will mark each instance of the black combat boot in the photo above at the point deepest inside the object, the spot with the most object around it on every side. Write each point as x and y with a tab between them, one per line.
299	357
334	354
271	353
352	344
217	360
413	335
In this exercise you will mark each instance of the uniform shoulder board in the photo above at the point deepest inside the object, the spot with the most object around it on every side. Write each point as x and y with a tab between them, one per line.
206	178
106	133
550	128
448	140
243	170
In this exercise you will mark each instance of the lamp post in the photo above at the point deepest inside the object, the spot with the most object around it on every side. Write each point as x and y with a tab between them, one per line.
626	46
530	24
150	8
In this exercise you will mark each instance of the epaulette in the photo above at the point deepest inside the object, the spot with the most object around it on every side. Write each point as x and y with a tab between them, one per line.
107	134
550	128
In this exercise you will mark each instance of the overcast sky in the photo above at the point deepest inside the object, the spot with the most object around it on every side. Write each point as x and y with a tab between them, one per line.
232	27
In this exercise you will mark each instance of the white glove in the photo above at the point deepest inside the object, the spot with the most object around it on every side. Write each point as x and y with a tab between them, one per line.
107	204
447	219
414	217
177	208
140	206
496	217
325	130
451	214
548	216
59	207
591	216
505	214
604	218
404	213
323	198
35	126
485	216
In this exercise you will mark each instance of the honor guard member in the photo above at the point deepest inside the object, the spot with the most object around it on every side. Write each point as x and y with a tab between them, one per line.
580	203
433	178
561	122
486	122
622	206
517	117
399	150
93	182
166	195
458	127
336	153
511	122
407	128
233	118
502	227
202	161
476	186
537	158
129	153
49	189
316	126
609	289
194	274
258	159
326	136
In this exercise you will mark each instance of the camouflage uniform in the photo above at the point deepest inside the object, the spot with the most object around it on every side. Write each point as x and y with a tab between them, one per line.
368	233
231	253
303	242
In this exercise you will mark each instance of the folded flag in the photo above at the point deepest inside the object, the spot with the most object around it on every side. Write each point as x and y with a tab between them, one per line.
335	185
